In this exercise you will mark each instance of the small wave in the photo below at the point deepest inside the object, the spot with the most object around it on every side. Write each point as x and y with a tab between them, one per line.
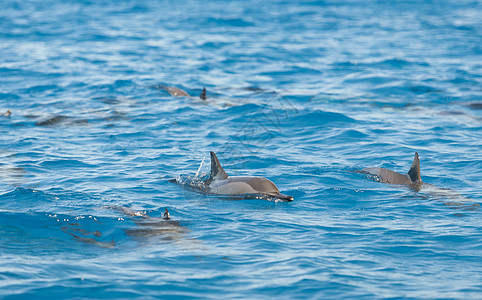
64	163
230	22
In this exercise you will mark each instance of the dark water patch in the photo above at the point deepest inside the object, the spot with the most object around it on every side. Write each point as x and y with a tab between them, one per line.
9	96
42	89
65	163
318	118
396	63
422	89
393	92
466	80
108	100
474	105
11	71
352	135
53	121
244	109
115	115
390	98
61	120
453	113
373	80
306	71
228	22
31	200
254	89
210	45
118	84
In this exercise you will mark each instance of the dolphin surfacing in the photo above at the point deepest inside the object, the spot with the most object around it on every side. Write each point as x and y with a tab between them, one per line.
177	92
385	175
243	187
220	183
414	181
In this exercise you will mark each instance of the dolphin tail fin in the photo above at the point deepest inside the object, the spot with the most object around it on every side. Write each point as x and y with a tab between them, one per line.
217	171
414	171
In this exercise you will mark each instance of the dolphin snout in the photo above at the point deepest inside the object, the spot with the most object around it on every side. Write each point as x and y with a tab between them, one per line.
284	197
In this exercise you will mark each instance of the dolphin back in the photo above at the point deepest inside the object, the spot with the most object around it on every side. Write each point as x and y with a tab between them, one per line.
220	183
261	185
388	176
264	185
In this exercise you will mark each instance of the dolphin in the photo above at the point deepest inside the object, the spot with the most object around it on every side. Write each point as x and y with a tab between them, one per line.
77	232
91	241
412	178
174	91
177	92
220	183
414	181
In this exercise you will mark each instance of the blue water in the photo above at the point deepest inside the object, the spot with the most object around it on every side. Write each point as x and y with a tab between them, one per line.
302	93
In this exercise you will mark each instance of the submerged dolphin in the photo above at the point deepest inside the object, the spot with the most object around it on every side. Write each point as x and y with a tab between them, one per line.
411	178
220	183
152	226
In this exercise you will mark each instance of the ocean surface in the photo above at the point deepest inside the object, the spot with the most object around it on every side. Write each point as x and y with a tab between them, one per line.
304	93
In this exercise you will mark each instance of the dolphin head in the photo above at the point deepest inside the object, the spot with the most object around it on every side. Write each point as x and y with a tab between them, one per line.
283	197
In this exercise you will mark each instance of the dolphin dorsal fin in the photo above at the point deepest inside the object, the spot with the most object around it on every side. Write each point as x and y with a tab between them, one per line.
414	172
203	94
217	171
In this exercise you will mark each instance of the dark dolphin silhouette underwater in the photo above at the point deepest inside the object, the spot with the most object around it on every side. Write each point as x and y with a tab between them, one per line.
246	186
146	226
